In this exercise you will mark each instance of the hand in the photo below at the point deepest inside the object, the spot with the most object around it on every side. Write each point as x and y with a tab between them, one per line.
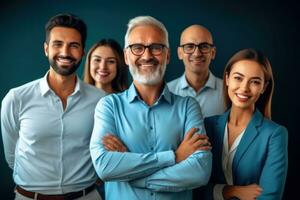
248	192
112	143
192	142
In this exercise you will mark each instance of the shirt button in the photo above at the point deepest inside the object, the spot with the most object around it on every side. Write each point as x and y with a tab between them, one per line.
152	148
151	127
151	193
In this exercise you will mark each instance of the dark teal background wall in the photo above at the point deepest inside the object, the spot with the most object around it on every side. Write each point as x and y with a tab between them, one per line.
269	26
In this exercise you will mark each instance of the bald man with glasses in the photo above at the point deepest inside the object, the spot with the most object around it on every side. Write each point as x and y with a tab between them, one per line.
197	50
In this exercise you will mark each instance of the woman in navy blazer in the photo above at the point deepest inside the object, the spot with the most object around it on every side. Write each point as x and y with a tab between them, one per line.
250	156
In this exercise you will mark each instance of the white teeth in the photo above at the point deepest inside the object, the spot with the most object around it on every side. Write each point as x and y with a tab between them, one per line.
146	65
242	96
63	60
103	73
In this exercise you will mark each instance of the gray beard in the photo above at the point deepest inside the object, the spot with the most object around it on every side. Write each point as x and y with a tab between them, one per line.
148	79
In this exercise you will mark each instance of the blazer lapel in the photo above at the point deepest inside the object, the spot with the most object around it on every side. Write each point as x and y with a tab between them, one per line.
218	143
250	134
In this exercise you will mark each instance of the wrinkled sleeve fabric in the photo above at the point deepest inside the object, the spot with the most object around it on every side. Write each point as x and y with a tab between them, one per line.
117	166
189	173
274	172
10	126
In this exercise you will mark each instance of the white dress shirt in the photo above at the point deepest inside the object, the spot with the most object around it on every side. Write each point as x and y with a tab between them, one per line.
46	145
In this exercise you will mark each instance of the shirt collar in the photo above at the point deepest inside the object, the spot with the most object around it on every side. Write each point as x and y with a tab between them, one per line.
211	82
45	88
133	95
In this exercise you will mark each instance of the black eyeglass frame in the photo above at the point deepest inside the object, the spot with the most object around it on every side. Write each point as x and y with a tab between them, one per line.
199	46
150	47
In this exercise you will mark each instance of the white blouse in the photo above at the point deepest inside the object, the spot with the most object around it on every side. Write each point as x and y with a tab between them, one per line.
227	159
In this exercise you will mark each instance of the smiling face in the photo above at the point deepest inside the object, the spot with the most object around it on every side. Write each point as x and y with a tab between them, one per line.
103	66
245	82
196	62
64	50
147	69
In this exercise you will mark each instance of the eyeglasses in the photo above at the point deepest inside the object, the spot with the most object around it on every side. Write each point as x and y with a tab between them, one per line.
190	48
139	49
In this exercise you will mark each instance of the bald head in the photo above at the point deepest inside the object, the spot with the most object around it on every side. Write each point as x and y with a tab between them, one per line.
196	34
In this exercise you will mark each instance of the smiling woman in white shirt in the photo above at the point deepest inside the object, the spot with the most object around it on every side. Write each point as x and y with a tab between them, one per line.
250	151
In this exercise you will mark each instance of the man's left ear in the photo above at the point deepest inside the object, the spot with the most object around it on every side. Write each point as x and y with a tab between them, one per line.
213	53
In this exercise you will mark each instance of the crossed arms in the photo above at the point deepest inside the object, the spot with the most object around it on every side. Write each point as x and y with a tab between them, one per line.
187	167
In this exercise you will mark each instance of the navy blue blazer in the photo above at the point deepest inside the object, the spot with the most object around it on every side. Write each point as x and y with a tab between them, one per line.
261	156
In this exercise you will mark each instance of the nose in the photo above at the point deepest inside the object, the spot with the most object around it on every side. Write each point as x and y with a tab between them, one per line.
64	50
147	54
102	64
197	51
244	86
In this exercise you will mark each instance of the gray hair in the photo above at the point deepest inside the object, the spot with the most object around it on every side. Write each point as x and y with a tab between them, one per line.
145	20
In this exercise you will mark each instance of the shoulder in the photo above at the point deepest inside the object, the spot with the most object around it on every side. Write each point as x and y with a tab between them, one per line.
91	91
114	98
174	84
273	128
219	82
23	90
183	99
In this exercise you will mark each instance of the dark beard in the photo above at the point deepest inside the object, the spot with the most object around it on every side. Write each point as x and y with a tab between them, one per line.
64	71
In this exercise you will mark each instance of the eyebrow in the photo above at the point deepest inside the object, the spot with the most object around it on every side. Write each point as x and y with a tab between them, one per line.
60	42
240	74
105	58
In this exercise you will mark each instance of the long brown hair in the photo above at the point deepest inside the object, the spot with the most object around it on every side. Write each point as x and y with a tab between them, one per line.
265	100
120	82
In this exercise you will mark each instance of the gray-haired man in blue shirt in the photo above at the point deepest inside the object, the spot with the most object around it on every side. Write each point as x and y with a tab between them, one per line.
160	153
47	123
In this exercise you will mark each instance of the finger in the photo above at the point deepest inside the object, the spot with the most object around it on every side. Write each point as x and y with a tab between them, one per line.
201	143
190	133
110	147
115	145
203	136
117	140
204	148
197	137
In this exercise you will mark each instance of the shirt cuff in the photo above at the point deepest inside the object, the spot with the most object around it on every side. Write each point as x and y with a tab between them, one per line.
166	158
218	191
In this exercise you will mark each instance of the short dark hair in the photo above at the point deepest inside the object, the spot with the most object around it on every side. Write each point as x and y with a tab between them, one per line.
66	20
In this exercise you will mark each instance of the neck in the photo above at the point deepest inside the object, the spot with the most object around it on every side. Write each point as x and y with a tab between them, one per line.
149	93
63	86
240	117
105	87
196	80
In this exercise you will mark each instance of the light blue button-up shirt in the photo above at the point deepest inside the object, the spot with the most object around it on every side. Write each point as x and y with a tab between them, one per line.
210	97
46	146
152	134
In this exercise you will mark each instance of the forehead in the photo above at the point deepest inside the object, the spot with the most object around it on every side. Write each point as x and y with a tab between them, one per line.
65	34
248	68
146	35
103	51
196	35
